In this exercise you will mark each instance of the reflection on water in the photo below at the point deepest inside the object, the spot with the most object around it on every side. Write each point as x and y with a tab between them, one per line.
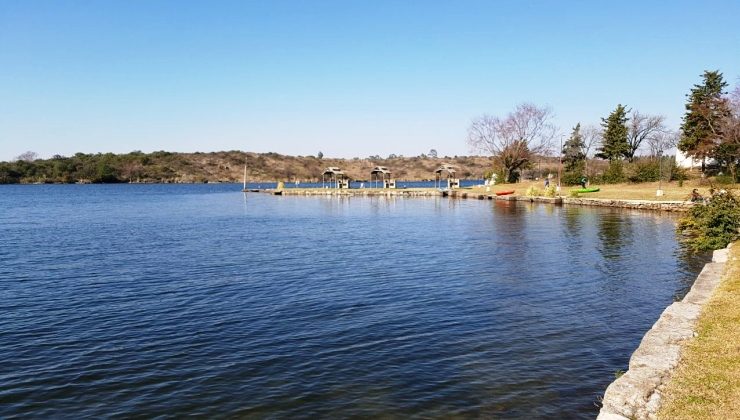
150	300
615	234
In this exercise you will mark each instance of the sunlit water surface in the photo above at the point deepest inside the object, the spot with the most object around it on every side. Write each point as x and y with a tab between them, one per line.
167	300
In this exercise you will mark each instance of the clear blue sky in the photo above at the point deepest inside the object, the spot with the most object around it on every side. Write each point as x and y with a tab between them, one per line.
349	78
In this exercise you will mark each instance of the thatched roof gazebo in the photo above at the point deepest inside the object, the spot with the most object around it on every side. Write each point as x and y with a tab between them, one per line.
381	172
336	175
446	168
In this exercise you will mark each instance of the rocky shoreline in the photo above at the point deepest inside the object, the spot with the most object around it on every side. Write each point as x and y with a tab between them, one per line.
670	206
638	393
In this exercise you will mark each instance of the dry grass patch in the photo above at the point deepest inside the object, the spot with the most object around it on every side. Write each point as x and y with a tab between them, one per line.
706	385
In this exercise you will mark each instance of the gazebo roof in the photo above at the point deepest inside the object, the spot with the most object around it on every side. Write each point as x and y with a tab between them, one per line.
446	167
333	170
380	170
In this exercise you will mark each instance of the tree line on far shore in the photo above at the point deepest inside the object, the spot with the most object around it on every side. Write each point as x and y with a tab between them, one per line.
631	143
227	166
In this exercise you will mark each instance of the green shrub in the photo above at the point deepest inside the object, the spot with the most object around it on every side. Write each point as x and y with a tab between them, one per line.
533	191
572	178
645	171
614	174
724	179
678	173
574	193
500	176
712	225
8	174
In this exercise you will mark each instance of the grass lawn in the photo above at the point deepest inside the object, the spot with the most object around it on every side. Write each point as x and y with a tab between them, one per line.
706	384
642	191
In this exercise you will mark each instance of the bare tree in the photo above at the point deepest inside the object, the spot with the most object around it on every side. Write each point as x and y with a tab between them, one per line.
642	127
514	139
591	136
662	141
28	156
734	98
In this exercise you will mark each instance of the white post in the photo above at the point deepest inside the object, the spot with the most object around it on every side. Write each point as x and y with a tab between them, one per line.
560	162
245	177
659	193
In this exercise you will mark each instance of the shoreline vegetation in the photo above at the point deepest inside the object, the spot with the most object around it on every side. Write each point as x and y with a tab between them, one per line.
643	175
225	166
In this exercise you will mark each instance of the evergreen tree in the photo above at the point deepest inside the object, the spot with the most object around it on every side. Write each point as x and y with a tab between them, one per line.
704	109
614	145
573	155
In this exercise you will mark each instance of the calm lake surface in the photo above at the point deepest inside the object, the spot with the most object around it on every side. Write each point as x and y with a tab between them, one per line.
167	300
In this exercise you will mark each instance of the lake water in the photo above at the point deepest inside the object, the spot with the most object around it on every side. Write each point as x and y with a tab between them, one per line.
167	300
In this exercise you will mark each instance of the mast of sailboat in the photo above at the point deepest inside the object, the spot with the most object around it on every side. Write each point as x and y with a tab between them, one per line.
245	177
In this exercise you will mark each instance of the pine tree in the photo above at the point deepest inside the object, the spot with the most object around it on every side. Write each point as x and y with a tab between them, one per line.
614	145
704	109
573	155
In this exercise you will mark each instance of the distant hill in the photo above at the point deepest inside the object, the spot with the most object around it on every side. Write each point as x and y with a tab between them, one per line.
169	167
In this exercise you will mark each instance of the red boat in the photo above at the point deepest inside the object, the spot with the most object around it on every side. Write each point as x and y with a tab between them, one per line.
505	192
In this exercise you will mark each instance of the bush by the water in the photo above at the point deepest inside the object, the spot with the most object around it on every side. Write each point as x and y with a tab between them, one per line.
500	175
678	173
642	170
614	174
713	225
572	178
647	171
533	191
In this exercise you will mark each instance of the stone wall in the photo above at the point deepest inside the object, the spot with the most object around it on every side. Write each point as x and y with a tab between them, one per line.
630	204
359	192
637	394
672	206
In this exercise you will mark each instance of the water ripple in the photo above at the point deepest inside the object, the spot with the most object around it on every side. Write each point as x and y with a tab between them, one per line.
165	301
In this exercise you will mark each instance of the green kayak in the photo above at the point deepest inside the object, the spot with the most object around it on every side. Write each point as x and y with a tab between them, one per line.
587	190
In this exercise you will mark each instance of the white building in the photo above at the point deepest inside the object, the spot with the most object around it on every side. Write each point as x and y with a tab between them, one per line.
683	161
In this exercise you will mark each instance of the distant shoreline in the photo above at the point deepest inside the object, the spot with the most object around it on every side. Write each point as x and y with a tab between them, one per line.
224	167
